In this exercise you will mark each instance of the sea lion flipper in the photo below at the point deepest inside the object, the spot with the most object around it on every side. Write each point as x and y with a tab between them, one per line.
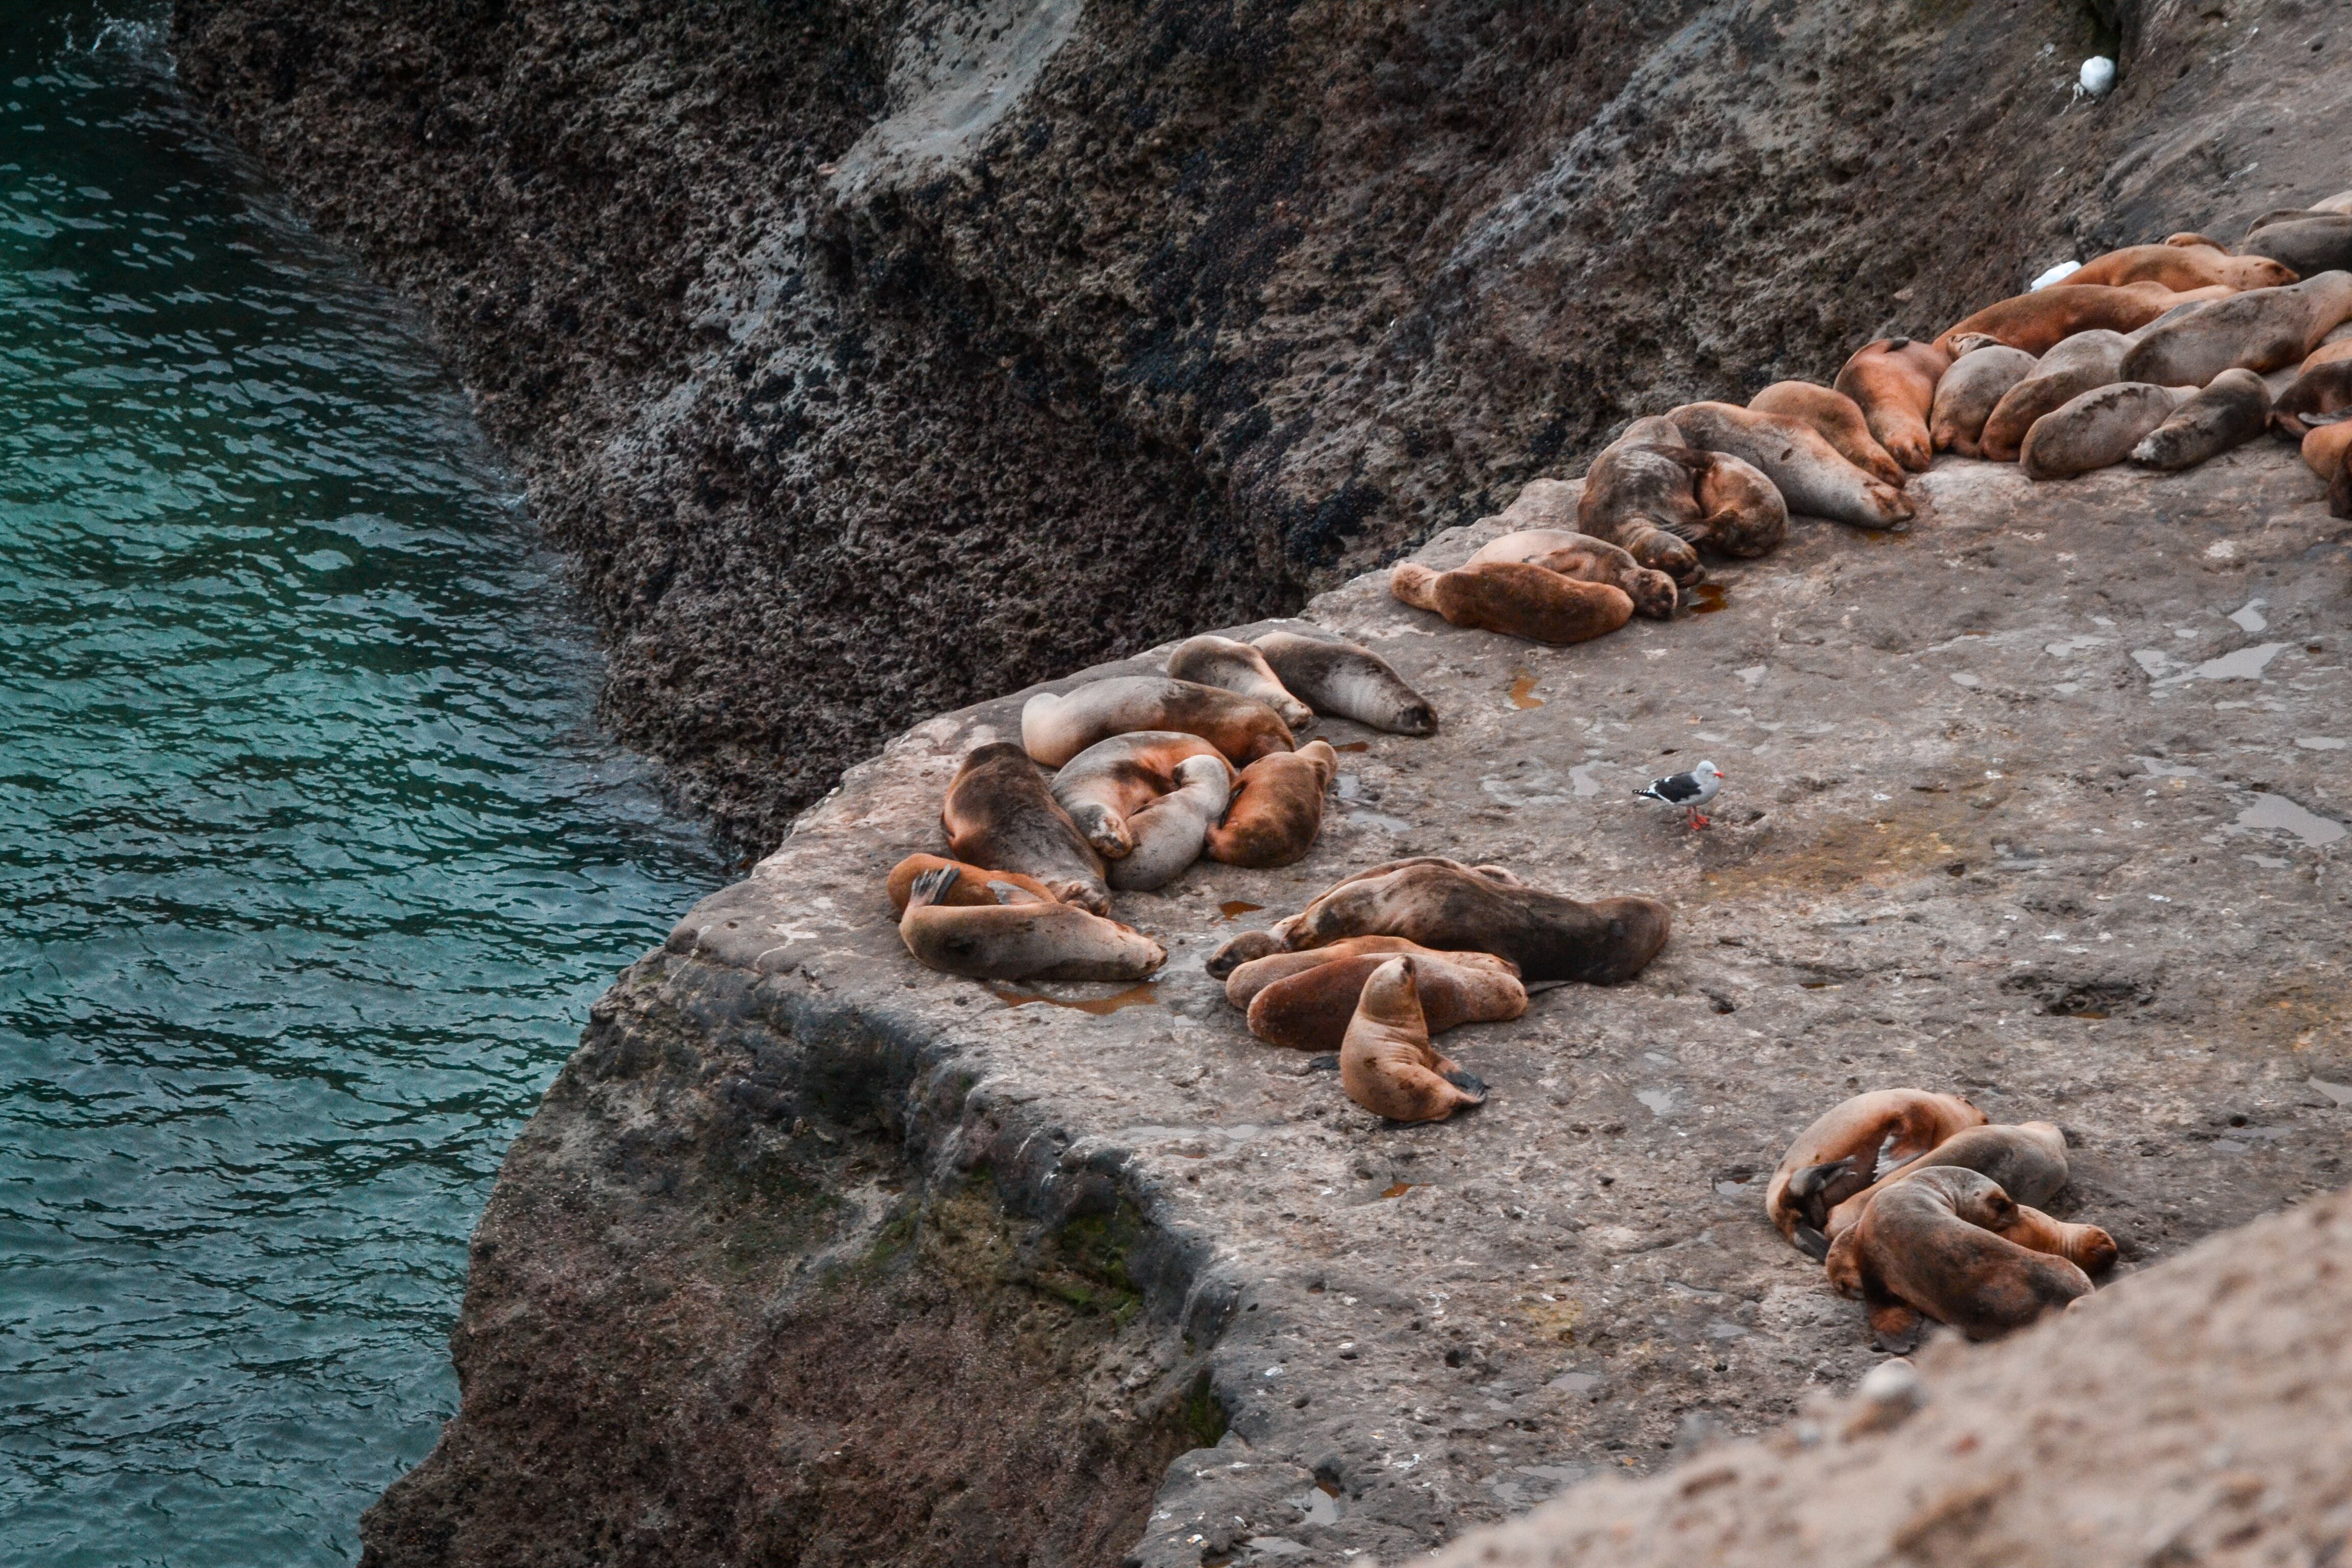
933	886
1468	1083
1811	1242
1809	1187
1895	1323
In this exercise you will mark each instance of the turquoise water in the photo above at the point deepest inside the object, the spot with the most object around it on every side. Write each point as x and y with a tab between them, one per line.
310	859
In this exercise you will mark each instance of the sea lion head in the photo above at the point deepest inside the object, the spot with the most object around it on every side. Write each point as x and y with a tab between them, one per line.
1391	997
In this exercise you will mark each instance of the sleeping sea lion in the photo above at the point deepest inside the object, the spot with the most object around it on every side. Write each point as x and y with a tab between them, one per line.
1237	667
2322	389
1741	513
2097	429
2028	1159
2040	322
1838	419
2311	244
1343	680
1112	780
1000	814
1969	391
1641	494
2181	267
1892	381
2327	452
1027	939
1588	560
1931	1243
1246	980
1277	808
1310	1011
2231	411
2086	1247
1844	1151
973	884
2262	330
1055	729
1811	476
1168	835
1386	1063
1516	600
2082	364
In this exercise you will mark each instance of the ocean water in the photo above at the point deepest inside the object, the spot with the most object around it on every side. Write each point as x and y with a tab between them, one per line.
311	857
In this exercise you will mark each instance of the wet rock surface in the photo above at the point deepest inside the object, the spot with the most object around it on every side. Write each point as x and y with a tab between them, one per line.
2039	799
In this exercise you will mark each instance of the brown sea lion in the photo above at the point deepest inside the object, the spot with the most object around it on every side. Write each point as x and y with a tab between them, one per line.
2311	244
2097	429
1931	1243
1277	808
1386	1062
1343	680
1056	728
1969	391
1028	939
1168	834
973	884
1588	560
1113	779
1894	383
2181	267
1001	815
1641	495
1741	512
1246	980
2262	330
1514	600
2231	411
2027	1159
2082	364
2086	1247
1237	667
1309	1011
2320	391
2040	322
1838	419
1844	1151
1812	477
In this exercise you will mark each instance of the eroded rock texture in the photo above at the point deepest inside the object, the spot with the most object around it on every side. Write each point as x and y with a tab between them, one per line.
871	358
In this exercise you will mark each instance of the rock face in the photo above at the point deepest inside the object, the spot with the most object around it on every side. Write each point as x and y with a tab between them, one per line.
873	358
814	1255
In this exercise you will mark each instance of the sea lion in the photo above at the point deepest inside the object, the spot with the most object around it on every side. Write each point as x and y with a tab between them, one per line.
1453	907
1894	383
1168	835
1386	1062
1343	680
2310	245
2321	390
1247	979
2262	330
2086	1247
2231	411
2040	322
2083	362
1112	780
1027	939
1969	391
1838	419
973	884
1811	476
1588	560
1277	808
1310	1011
1741	512
1001	815
2097	429
2181	267
1931	1243
1845	1148
1237	667
1516	600
1641	494
2028	1159
1055	729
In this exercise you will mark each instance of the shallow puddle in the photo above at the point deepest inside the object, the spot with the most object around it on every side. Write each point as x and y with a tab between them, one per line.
1708	597
1399	1189
1233	909
1144	995
1354	746
1523	691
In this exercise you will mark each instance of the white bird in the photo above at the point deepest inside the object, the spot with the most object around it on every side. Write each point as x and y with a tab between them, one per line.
1690	791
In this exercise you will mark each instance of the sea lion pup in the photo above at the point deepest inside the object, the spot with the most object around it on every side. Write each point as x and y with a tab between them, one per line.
1247	979
1310	1011
1000	814
973	884
1028	939
2321	390
1277	808
1844	1151
1237	667
1838	419
2086	1247
1931	1243
2231	411
1741	513
2181	267
1055	729
2097	429
1969	391
1516	600
1168	834
1343	680
2311	244
1811	476
1641	494
2028	1159
1588	560
2081	364
2325	450
1386	1062
2262	330
2040	322
1112	780
1894	383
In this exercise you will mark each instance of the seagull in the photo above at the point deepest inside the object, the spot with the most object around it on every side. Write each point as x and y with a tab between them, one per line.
1690	791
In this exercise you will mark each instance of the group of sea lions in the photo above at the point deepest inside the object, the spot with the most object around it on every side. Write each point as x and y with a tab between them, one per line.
1920	1209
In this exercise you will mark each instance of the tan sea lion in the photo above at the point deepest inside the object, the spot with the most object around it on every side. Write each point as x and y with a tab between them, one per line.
2320	391
1844	1151
1811	476
2262	330
2027	1159
1247	979
1168	834
1931	1243
1838	419
2311	244
1310	1011
1029	940
1894	383
1113	779
1386	1062
1277	808
2040	322
2086	1247
2082	364
2324	448
1237	667
1588	560
1516	600
1969	391
2231	411
2181	267
973	884
2097	429
1741	512
1001	815
1641	494
1343	680
1055	729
